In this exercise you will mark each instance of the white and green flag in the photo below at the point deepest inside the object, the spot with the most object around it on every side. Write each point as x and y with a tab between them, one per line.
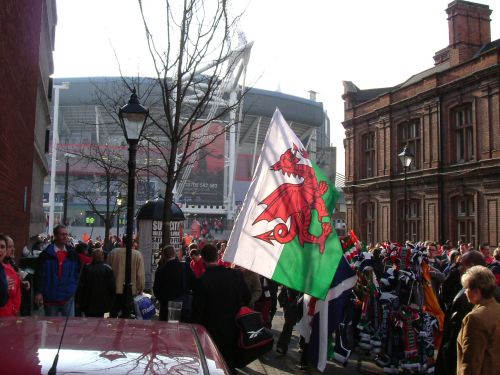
283	231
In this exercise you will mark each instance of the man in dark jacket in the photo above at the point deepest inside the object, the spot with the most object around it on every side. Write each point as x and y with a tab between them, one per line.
56	276
97	287
217	299
174	280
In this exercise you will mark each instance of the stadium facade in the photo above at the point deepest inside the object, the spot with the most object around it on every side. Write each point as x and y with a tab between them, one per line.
207	191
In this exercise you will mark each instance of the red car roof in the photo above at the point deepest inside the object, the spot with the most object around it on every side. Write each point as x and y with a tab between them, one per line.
107	346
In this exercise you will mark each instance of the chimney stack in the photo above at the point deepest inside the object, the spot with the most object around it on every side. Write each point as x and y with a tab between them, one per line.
468	28
312	95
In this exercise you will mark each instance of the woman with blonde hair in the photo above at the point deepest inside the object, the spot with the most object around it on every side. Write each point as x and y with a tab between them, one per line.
13	304
478	342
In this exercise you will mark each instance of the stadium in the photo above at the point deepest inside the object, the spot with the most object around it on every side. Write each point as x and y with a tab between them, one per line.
213	188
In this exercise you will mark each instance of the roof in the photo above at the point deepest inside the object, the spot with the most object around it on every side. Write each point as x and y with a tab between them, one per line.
257	102
426	73
77	106
487	47
362	96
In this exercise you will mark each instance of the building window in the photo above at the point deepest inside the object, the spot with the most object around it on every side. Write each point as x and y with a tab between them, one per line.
465	213
409	134
368	218
369	155
413	221
464	138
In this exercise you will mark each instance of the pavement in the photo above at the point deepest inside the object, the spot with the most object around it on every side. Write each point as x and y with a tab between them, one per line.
273	363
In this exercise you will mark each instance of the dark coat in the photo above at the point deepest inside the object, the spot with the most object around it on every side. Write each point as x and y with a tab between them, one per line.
220	294
172	280
451	286
96	289
446	363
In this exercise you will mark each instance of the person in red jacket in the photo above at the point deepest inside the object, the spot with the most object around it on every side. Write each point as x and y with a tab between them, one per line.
197	264
11	308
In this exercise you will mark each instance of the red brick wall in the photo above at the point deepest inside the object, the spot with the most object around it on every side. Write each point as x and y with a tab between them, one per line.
19	54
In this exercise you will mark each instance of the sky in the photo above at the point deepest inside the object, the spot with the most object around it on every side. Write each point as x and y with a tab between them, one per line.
298	45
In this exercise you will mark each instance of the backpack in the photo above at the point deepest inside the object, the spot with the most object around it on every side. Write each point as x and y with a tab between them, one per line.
254	339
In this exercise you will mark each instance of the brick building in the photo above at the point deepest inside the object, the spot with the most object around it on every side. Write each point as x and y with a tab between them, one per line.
449	116
28	31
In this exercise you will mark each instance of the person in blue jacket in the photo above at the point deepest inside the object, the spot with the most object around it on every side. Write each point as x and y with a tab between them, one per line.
56	276
4	295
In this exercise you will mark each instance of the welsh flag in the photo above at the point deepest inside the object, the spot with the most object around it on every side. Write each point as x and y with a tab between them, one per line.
283	231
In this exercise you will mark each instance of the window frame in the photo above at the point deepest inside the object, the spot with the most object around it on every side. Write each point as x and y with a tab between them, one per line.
413	140
462	126
368	149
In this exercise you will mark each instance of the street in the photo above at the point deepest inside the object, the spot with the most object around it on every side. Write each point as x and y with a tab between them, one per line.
272	363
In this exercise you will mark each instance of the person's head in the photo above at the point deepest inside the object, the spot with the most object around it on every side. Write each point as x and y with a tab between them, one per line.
97	245
484	248
195	255
81	248
60	235
193	246
496	254
452	256
463	248
479	283
97	255
3	247
431	249
209	253
10	247
471	259
168	252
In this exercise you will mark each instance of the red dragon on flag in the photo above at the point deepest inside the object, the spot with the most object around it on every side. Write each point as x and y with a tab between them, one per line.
295	202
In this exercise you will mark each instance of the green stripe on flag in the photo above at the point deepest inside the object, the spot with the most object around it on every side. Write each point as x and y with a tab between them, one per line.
304	268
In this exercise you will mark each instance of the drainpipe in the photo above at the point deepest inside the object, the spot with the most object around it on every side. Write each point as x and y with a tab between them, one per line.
441	195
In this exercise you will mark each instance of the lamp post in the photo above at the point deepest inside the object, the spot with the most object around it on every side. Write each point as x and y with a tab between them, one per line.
119	202
132	117
406	157
66	180
53	165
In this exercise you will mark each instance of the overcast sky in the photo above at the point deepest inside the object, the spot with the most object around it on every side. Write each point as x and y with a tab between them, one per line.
298	45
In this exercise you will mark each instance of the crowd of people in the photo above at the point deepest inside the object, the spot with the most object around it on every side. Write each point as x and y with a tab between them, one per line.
411	300
418	299
83	279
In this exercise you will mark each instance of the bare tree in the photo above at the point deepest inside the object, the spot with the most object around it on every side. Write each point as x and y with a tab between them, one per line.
197	70
105	168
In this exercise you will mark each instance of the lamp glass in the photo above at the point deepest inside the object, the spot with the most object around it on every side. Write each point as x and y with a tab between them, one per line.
406	160
133	123
406	157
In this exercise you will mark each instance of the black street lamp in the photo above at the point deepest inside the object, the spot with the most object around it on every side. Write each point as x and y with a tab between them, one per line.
406	157
119	202
132	117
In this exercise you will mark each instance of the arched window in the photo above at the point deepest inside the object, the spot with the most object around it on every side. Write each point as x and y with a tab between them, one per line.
461	121
368	221
410	134
368	148
464	215
414	220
